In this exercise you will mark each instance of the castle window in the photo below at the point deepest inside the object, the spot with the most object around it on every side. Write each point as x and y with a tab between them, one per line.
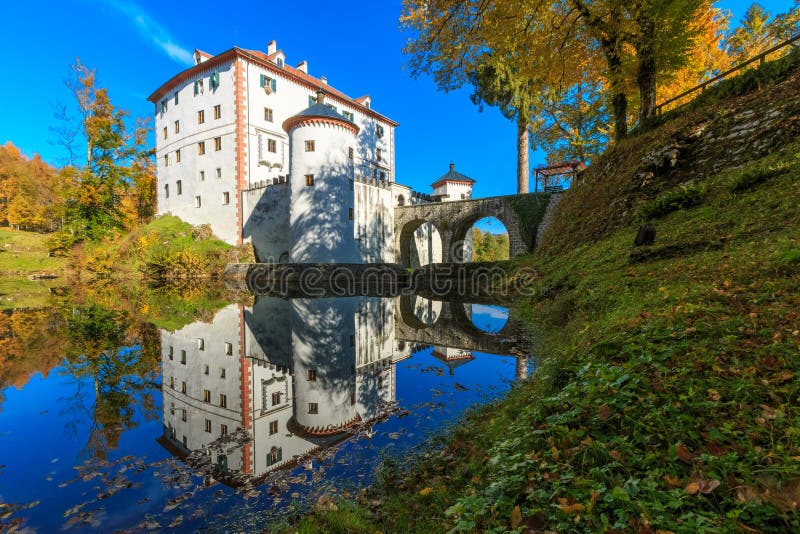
183	387
179	187
313	408
350	213
226	198
223	401
273	427
166	160
198	87
172	382
223	430
222	373
379	154
202	175
165	132
201	116
276	398
219	172
205	370
349	116
217	111
183	418
268	114
311	375
208	425
206	395
171	352
175	95
217	143
274	456
166	193
197	202
213	80
164	106
312	100
183	439
177	126
379	130
228	349
383	175
268	84
310	146
201	148
272	146
309	179
350	152
178	156
183	357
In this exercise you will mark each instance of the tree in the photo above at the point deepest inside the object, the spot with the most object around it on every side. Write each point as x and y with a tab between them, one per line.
707	57
752	36
116	187
508	50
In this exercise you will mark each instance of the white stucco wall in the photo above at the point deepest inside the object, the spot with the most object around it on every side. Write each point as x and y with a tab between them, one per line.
321	228
211	189
266	222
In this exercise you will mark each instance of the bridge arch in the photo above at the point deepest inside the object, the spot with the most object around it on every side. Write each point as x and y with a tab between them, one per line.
420	243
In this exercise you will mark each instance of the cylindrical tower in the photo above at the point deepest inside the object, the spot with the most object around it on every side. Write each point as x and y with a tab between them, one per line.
321	142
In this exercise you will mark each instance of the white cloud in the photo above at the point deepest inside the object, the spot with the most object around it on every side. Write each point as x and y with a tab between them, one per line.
152	31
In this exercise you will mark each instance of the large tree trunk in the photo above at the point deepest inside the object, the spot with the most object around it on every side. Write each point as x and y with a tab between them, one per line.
646	70
523	165
619	102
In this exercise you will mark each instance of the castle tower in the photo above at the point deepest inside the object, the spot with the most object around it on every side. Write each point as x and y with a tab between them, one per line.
321	147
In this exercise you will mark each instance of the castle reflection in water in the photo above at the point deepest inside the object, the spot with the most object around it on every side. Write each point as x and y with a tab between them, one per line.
264	387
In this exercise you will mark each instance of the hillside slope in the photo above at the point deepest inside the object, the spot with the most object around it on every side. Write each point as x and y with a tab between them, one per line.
666	397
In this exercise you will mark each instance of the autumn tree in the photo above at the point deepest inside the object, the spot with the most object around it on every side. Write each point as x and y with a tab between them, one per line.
28	191
116	187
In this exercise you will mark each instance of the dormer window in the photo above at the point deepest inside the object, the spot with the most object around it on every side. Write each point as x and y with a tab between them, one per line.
280	62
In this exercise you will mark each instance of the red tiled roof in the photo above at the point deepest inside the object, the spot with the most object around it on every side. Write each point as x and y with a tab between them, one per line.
264	60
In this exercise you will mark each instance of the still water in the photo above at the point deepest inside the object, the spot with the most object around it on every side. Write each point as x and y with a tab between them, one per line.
233	421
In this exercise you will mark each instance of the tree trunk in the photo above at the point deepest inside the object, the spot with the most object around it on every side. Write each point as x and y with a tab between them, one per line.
523	166
619	102
646	70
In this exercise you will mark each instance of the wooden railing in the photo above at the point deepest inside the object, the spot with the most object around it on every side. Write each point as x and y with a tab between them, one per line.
761	58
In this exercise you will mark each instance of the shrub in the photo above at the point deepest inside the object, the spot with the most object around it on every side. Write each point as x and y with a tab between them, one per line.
669	201
752	177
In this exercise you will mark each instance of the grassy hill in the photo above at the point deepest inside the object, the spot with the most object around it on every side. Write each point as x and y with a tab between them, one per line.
666	397
23	254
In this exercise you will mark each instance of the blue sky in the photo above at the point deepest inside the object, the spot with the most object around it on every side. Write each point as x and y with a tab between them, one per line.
136	45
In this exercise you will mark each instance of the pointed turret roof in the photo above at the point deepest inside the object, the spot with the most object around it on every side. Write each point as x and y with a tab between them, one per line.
453	176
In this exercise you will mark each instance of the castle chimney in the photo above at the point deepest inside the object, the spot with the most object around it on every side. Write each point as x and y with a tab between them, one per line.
303	66
323	79
272	47
320	96
452	166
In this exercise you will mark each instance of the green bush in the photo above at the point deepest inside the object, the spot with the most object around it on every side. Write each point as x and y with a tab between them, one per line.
751	178
669	201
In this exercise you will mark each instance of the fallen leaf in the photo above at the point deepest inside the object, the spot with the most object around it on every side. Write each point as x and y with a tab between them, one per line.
425	491
604	412
516	517
692	488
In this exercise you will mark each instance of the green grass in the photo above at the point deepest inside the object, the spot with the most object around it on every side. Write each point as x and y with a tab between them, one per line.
22	254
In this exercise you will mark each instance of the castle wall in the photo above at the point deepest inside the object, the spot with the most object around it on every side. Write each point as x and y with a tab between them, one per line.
266	222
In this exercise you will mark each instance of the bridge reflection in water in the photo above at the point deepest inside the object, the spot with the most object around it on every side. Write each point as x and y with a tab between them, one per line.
266	387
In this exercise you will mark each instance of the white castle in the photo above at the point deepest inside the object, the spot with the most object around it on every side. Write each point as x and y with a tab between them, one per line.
265	153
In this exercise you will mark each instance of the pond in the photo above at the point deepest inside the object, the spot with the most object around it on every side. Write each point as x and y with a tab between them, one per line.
249	415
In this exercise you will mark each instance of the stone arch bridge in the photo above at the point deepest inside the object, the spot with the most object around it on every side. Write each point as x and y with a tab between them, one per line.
523	216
